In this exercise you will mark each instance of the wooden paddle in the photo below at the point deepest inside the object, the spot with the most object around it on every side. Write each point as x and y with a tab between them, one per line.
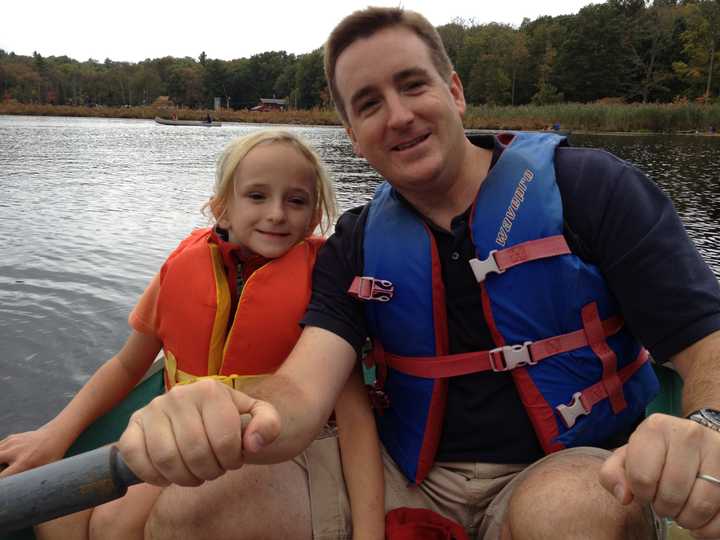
63	487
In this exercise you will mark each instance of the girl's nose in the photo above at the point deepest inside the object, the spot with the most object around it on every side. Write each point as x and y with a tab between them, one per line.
276	212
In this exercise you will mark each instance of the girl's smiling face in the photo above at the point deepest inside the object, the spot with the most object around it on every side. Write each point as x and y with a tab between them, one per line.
274	201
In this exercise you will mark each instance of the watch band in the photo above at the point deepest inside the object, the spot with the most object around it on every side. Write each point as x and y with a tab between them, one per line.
709	418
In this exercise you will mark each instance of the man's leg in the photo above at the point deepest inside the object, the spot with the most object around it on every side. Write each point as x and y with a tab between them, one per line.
254	502
561	497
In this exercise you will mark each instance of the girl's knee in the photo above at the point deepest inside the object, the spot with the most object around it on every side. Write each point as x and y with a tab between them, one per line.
124	518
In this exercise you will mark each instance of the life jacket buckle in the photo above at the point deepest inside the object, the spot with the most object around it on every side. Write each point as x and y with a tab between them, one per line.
482	268
369	288
576	408
511	356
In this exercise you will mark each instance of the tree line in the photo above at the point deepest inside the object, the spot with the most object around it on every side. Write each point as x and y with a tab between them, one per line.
618	51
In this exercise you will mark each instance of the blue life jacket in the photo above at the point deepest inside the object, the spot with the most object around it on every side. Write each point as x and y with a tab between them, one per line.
580	374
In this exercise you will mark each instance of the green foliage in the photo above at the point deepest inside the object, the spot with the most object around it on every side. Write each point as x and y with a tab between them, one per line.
310	81
701	44
594	61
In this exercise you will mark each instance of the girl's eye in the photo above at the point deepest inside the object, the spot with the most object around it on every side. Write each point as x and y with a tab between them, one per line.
256	196
299	201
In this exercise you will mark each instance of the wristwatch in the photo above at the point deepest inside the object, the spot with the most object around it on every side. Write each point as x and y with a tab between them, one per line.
707	417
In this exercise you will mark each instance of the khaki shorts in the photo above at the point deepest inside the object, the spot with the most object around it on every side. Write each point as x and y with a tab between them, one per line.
475	495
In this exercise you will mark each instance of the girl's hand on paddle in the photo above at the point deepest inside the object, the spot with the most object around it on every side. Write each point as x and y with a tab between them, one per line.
194	433
23	451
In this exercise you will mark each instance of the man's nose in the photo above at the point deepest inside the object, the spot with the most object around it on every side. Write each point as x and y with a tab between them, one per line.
399	114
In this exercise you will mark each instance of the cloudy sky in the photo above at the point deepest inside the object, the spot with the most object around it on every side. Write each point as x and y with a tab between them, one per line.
132	30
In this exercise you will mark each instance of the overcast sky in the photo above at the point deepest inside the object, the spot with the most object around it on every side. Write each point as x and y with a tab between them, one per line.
133	30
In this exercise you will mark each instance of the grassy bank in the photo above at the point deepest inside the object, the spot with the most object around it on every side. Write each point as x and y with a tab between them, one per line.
595	117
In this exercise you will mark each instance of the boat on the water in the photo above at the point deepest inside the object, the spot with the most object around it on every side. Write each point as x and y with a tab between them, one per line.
201	123
109	427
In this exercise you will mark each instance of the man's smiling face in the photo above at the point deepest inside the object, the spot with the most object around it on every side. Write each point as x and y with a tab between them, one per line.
403	117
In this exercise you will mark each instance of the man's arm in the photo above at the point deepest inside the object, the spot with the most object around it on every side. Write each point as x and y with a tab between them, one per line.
699	367
195	432
303	391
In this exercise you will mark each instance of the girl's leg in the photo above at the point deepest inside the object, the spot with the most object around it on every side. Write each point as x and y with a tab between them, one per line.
124	518
74	526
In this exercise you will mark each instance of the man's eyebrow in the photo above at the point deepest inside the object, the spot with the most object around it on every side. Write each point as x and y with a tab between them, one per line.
360	94
401	76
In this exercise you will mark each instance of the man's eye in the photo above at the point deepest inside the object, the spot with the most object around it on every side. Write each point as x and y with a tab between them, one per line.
414	85
368	105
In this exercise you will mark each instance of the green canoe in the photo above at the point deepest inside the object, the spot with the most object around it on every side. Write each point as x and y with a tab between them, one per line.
108	428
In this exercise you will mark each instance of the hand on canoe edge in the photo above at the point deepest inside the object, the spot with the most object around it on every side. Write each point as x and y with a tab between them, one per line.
195	433
660	466
22	451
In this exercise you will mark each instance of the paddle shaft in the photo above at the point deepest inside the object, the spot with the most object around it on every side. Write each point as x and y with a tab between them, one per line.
63	487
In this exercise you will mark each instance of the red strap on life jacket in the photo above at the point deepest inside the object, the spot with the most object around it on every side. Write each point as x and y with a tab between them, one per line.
583	402
370	288
532	250
421	524
596	339
500	260
499	359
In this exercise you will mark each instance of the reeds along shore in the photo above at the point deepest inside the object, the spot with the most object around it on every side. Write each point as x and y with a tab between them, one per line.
593	117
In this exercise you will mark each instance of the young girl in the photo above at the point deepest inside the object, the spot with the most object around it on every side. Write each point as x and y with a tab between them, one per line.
226	304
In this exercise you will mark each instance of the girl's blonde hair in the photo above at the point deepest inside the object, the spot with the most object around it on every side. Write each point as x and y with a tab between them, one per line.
235	152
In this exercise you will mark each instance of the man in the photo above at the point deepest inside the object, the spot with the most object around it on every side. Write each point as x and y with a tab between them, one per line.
575	230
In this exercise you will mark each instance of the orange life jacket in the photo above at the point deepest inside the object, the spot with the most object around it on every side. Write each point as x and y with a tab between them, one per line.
194	310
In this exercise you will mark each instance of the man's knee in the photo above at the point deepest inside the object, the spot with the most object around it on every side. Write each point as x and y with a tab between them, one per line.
562	498
254	502
180	513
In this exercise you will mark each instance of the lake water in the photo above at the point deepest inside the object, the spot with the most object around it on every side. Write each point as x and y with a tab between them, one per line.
89	209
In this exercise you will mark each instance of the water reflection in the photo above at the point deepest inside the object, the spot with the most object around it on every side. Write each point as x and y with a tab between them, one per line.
90	208
686	167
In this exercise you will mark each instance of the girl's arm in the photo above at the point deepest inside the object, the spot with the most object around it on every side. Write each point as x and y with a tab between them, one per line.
361	459
108	386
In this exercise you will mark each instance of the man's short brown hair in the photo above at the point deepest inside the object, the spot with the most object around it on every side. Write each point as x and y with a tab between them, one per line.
365	23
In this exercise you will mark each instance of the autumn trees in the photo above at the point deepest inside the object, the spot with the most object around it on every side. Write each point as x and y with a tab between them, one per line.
625	50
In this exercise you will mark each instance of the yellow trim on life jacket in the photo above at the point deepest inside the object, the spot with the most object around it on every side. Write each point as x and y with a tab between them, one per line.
177	376
219	331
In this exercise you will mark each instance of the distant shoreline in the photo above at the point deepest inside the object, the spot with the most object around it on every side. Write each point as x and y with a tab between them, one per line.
306	117
688	118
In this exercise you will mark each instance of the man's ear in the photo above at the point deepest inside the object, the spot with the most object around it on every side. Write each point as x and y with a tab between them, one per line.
456	90
354	141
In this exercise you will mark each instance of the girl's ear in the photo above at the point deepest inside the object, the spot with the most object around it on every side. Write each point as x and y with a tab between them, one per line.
223	222
219	213
315	221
